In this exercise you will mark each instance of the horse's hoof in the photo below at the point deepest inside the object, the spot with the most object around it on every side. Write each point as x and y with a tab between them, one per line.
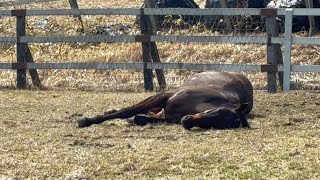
83	123
131	121
140	120
187	122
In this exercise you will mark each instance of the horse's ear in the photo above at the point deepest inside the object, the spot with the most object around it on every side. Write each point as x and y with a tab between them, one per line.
242	108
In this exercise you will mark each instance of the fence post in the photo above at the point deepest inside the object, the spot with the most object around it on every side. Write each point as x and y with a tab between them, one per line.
20	48
273	50
154	26
146	51
33	72
287	50
159	72
24	55
74	5
153	19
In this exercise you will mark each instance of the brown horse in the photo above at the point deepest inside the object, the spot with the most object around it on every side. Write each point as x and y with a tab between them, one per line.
207	100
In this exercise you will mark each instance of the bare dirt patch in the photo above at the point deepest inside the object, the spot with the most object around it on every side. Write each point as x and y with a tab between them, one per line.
39	139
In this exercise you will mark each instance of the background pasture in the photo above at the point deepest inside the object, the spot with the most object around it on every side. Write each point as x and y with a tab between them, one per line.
116	80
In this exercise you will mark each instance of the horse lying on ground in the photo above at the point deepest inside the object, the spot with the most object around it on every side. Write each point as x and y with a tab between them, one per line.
217	100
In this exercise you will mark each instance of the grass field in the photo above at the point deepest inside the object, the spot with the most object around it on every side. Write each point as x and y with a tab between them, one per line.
39	140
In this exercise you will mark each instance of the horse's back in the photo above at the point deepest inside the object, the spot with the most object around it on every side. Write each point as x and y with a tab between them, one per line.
217	79
228	82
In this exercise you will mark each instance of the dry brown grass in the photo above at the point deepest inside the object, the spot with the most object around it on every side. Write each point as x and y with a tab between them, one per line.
39	140
129	80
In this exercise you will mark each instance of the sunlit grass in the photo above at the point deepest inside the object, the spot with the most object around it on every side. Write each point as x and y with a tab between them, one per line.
39	139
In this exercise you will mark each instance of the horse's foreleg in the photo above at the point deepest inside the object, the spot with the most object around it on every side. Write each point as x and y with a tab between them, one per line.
154	102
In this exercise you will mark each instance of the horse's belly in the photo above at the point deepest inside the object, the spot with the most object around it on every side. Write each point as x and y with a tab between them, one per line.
195	100
174	115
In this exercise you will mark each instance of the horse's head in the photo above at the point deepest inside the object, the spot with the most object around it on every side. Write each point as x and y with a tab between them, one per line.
219	118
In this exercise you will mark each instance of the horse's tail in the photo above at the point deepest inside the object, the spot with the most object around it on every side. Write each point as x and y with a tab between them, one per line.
157	101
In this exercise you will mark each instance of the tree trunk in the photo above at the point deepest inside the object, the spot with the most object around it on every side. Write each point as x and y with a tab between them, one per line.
226	19
312	23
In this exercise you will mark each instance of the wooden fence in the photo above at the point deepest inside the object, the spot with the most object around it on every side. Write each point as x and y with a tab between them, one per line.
22	2
273	66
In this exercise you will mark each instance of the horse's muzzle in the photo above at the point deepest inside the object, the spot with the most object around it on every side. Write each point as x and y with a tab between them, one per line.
187	122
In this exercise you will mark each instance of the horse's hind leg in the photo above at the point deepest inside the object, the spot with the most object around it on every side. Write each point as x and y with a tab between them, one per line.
150	118
153	103
110	111
152	111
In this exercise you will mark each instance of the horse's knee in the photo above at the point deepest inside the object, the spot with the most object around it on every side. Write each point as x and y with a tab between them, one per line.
156	110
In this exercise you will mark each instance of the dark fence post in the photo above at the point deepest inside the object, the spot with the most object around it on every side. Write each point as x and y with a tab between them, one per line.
274	54
21	48
146	51
74	5
153	26
159	72
23	53
33	72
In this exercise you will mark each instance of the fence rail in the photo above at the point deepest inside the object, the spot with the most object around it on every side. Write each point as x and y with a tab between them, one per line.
158	38
287	41
22	2
146	38
154	65
141	66
164	11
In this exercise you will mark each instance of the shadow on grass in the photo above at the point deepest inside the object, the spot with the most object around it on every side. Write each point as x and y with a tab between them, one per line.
253	115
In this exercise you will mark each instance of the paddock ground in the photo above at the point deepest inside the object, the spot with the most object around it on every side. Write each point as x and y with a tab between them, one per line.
39	140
